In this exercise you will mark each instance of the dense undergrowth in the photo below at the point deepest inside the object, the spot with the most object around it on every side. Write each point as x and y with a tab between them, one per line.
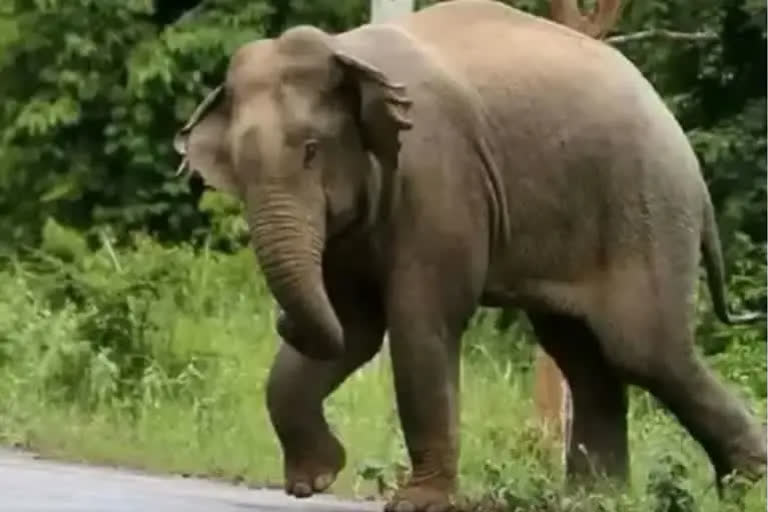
156	357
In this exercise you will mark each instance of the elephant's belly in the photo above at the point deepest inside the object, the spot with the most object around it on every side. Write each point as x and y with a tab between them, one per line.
539	295
552	274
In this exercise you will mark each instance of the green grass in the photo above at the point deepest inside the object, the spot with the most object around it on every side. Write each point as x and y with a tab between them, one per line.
157	358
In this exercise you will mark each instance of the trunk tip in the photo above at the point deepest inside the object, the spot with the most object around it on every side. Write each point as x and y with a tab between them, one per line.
320	346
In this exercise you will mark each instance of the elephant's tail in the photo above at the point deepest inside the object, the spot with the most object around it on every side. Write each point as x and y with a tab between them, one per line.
713	261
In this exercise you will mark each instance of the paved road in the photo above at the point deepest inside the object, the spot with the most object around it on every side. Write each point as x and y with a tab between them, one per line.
28	484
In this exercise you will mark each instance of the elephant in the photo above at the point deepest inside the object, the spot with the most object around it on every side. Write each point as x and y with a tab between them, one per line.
398	176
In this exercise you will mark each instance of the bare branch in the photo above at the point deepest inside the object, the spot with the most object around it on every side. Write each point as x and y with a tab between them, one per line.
660	33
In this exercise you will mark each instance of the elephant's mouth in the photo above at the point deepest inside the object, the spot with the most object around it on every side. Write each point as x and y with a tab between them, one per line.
340	226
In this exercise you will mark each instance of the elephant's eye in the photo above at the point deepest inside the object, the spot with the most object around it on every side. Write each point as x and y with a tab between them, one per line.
310	151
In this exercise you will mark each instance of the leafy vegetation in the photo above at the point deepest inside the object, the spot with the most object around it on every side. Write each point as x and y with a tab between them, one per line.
93	92
134	328
156	356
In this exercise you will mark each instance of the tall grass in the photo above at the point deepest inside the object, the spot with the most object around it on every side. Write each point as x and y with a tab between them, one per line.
156	357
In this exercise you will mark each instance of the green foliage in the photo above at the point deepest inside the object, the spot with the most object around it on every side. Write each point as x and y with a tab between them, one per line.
228	229
61	242
157	356
93	92
669	487
667	483
738	352
732	152
331	15
110	345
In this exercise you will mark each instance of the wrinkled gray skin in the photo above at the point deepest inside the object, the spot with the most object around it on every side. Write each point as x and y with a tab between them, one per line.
399	176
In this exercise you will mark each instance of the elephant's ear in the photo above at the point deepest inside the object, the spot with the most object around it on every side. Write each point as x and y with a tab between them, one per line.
203	141
382	107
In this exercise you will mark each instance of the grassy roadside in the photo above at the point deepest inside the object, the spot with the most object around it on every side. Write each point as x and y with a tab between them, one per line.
156	358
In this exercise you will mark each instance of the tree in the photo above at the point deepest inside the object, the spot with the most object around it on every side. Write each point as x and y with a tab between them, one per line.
94	91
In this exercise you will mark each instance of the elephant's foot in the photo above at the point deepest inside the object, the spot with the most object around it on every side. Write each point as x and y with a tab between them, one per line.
313	470
746	456
436	495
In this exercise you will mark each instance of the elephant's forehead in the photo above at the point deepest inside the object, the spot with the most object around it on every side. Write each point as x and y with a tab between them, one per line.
254	65
265	66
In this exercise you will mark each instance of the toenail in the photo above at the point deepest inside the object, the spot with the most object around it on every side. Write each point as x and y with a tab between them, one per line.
302	490
322	482
405	506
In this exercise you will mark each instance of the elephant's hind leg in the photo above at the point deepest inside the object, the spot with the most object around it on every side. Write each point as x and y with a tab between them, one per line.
597	444
297	387
712	414
647	338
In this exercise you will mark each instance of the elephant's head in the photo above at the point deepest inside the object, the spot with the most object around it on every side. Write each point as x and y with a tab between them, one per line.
297	131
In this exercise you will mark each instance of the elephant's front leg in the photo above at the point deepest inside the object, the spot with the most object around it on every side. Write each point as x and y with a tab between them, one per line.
425	345
297	387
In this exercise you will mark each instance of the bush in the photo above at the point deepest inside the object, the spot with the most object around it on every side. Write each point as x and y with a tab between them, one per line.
111	314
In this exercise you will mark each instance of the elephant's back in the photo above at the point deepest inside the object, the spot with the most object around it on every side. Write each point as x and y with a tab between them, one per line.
528	74
586	148
563	101
484	31
581	137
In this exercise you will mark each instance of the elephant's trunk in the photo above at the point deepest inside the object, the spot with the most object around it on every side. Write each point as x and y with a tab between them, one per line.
289	240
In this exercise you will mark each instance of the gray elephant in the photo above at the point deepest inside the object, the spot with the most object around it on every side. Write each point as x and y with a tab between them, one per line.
398	176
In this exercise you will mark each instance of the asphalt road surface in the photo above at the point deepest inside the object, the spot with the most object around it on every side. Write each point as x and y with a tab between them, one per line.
30	484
